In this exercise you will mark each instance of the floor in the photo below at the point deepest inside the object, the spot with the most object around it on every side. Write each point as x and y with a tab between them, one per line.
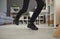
22	32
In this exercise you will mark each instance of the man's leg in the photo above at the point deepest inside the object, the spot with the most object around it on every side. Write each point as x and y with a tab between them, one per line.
23	10
40	5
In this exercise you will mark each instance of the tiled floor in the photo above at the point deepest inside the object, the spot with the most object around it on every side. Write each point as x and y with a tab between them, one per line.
22	32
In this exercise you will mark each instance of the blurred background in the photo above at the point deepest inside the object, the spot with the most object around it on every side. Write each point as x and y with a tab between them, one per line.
9	9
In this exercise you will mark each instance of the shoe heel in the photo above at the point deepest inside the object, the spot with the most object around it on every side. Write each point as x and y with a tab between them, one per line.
16	22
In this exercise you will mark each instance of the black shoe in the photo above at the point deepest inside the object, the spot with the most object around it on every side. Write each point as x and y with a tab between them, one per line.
16	22
32	26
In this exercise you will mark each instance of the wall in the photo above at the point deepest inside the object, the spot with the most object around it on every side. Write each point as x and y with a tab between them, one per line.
3	5
58	11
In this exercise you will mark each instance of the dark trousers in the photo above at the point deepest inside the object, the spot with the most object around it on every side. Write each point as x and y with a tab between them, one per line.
40	5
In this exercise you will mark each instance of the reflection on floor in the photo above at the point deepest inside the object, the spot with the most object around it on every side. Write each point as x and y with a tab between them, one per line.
22	32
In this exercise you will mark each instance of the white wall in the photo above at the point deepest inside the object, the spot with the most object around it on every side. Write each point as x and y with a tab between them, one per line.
3	5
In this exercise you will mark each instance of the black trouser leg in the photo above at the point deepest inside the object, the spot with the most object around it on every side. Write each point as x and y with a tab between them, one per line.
23	10
40	5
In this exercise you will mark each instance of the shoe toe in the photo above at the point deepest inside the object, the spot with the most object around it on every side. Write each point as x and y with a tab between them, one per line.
33	27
